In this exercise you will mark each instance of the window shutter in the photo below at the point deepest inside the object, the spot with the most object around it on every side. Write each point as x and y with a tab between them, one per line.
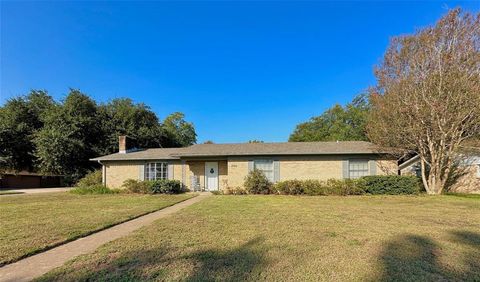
373	167
250	166
184	182
276	171
170	171
141	172
345	169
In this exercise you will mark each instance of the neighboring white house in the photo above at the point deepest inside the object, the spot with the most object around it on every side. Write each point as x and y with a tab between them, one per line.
469	182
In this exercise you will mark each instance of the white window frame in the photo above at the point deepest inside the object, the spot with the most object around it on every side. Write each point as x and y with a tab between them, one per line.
357	171
478	170
269	173
156	170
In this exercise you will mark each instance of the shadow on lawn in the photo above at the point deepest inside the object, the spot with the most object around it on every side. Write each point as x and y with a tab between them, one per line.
207	265
415	258
236	264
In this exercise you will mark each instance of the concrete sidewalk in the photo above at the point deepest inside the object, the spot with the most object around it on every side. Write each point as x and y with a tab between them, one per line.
37	265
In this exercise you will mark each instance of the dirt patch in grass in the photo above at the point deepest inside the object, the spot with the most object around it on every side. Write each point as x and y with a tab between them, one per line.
297	238
32	223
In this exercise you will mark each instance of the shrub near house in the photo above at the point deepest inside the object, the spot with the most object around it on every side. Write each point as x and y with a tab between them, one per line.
392	184
321	188
92	184
257	183
163	186
91	178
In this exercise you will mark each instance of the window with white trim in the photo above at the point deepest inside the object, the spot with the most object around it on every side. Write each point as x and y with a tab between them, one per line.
156	171
266	166
358	168
478	170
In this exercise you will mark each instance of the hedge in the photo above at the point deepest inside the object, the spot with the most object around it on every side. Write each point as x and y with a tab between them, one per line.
392	185
320	188
93	189
163	186
375	185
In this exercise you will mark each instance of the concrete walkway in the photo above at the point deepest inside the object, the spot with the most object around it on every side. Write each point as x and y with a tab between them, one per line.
37	265
36	190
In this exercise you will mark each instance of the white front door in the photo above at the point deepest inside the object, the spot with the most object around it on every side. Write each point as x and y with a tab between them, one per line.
211	176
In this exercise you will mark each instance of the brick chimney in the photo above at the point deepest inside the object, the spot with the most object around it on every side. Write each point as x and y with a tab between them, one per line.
122	144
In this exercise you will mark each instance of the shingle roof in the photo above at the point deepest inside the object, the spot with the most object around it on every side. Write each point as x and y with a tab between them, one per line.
286	148
146	154
252	149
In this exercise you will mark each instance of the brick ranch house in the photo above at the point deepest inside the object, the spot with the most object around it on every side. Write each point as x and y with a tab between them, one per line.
217	166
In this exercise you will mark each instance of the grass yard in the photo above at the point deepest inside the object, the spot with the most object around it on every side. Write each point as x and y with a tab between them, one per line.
30	223
10	192
297	238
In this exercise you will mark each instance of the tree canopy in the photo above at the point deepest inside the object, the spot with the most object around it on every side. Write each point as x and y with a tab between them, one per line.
20	119
178	132
337	123
38	133
124	117
428	95
69	136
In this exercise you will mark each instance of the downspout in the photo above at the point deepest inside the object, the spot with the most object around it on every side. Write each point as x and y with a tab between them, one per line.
103	174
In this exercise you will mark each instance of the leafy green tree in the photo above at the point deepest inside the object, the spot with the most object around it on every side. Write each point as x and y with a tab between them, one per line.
69	137
20	119
37	133
124	117
179	133
337	123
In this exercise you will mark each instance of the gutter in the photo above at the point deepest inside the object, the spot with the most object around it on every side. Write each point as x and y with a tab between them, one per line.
409	162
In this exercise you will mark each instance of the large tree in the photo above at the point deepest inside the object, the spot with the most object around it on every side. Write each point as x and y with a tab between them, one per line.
427	98
124	117
337	123
179	132
20	119
69	136
37	133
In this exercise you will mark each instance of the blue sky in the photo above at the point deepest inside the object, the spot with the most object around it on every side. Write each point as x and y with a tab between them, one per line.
238	70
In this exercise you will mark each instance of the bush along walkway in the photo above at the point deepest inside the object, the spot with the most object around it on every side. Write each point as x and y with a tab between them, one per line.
37	265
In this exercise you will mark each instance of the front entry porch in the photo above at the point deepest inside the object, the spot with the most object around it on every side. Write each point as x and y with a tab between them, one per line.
206	175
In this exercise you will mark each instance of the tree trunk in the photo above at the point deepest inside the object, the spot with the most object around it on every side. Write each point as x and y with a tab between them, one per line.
435	185
424	176
434	182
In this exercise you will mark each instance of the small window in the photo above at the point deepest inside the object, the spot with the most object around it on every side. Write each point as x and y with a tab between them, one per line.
478	170
266	166
358	168
156	171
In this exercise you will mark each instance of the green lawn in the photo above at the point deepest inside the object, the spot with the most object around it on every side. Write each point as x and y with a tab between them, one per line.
29	223
275	238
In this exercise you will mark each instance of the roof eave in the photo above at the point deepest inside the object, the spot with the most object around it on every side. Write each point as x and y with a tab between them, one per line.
281	154
134	159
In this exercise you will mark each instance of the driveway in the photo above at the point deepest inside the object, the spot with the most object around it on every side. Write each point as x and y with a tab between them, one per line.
35	190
